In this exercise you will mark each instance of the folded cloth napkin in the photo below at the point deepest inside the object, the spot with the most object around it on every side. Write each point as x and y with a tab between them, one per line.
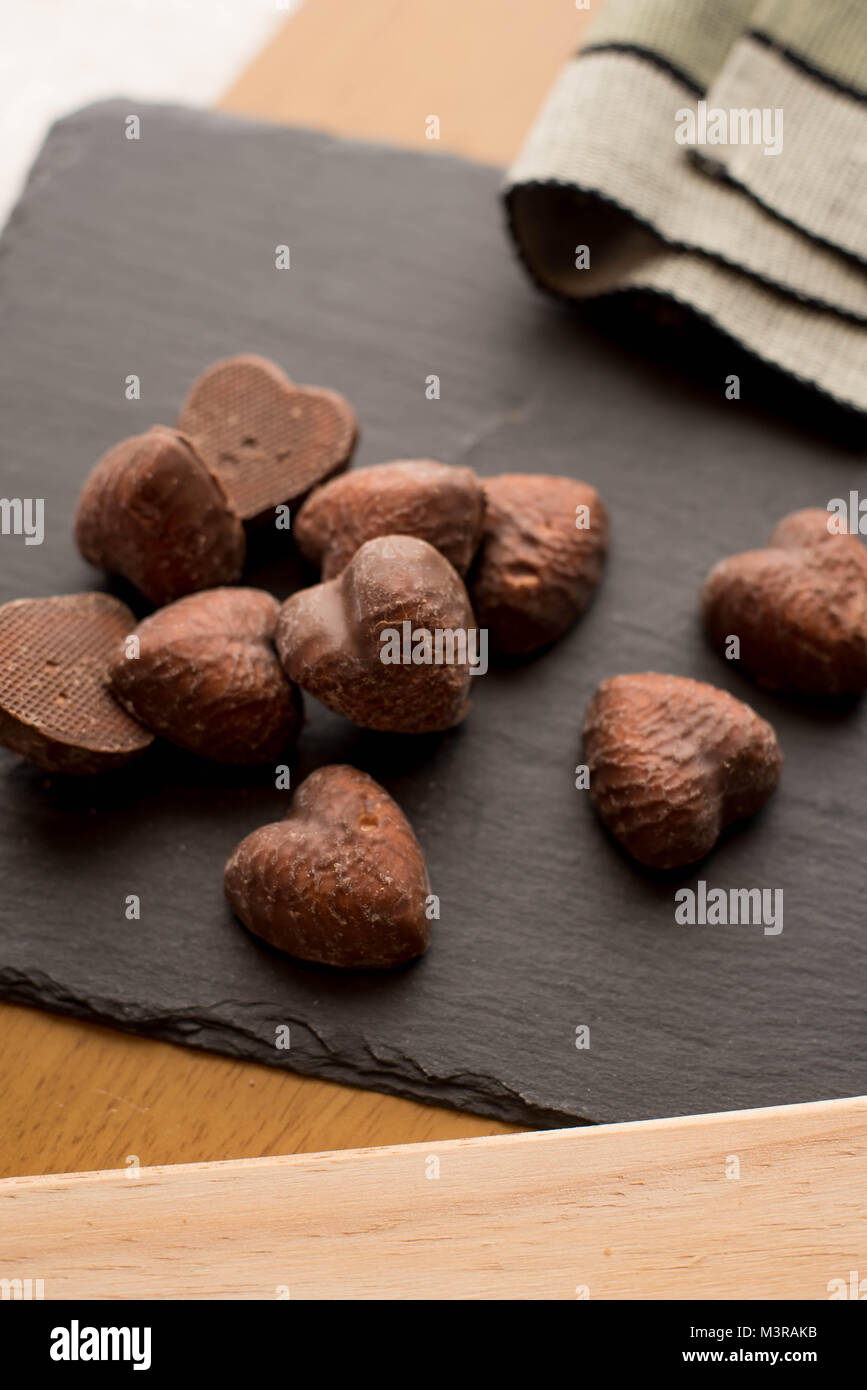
713	152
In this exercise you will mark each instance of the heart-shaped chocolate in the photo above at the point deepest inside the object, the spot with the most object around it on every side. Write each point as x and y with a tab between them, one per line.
203	673
389	643
56	708
341	880
542	551
798	608
151	511
435	502
672	762
267	440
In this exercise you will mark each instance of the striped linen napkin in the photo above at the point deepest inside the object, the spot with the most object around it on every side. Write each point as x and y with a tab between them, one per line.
713	152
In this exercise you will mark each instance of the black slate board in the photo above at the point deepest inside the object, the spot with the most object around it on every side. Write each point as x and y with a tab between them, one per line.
156	257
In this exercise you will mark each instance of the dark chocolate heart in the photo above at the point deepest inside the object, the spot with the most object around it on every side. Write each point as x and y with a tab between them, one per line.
540	559
203	673
360	642
672	762
341	880
56	708
435	502
798	608
151	511
267	440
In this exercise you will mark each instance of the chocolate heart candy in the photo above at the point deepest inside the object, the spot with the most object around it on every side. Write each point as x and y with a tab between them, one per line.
543	547
798	608
432	501
674	761
203	674
382	644
55	705
152	512
267	440
341	880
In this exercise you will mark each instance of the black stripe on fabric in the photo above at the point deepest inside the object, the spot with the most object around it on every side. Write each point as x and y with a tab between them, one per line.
650	55
849	417
808	301
804	65
717	169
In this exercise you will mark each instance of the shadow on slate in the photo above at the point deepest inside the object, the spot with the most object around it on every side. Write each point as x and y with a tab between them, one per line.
155	257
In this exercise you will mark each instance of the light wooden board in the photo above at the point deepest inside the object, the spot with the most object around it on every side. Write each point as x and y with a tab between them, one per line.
76	1096
760	1204
377	69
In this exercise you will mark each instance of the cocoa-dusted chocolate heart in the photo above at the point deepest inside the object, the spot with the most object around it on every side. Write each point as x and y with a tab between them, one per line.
415	497
56	708
798	608
152	512
367	643
672	762
266	440
203	673
543	547
341	880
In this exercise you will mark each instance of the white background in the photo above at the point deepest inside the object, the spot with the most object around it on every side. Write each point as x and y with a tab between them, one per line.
57	55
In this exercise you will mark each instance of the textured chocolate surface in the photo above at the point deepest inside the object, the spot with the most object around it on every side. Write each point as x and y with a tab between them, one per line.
267	440
673	762
151	512
537	569
340	880
798	608
546	924
206	676
329	639
415	497
56	708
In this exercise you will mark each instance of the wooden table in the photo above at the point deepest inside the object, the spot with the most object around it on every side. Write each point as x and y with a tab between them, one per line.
74	1096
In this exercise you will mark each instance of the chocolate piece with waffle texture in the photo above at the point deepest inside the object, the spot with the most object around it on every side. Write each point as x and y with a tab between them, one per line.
56	708
266	440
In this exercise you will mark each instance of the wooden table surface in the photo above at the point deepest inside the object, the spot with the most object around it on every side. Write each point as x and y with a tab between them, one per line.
75	1096
754	1204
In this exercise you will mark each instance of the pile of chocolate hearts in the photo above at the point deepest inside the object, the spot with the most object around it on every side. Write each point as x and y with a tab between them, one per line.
423	566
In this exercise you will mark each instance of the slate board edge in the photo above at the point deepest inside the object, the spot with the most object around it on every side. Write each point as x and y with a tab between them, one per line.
208	1033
